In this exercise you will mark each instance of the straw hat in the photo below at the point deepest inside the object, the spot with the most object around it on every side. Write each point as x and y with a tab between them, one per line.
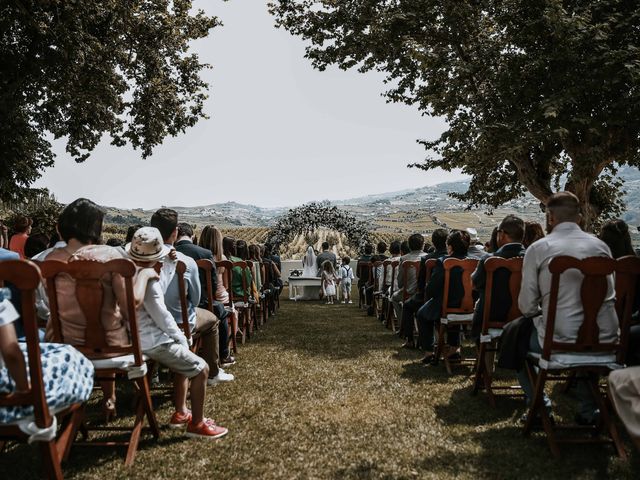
147	245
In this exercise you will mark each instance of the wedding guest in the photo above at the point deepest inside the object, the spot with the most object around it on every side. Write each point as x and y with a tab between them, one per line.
114	242
533	232
457	247
164	342
272	260
404	248
394	251
408	286
615	233
238	288
346	277
329	282
242	251
363	272
492	245
202	322
130	231
35	244
476	248
22	230
80	226
510	233
324	256
565	238
185	245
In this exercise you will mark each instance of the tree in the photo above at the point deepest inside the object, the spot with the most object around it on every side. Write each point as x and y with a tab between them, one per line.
533	92
84	69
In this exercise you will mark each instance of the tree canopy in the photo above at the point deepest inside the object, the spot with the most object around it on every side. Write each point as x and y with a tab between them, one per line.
86	69
533	92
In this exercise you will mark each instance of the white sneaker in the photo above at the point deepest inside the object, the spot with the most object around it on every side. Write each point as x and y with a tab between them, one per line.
350	301
221	377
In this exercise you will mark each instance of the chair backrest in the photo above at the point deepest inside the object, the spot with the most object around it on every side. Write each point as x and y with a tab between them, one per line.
385	266
181	269
363	269
87	276
376	275
226	267
407	267
513	266
429	265
467	265
267	274
627	272
207	266
593	293
394	273
25	276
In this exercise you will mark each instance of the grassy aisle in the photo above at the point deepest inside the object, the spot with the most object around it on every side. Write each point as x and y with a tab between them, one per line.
322	392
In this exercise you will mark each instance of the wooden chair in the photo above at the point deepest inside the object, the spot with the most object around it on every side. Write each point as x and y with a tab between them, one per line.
492	327
363	270
627	276
455	317
241	302
587	355
429	265
227	276
181	269
265	293
253	309
376	280
406	268
390	314
25	276
124	361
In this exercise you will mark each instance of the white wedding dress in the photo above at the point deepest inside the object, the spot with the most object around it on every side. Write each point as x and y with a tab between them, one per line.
309	270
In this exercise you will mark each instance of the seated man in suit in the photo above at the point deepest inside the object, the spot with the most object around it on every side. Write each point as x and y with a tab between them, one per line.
408	285
185	245
565	238
509	240
457	247
411	306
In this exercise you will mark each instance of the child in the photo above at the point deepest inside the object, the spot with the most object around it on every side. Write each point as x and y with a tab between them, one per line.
346	277
329	282
164	342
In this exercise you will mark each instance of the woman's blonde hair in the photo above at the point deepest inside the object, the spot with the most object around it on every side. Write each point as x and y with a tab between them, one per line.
211	238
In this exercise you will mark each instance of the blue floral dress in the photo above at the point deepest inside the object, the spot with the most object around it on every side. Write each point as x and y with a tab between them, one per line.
67	374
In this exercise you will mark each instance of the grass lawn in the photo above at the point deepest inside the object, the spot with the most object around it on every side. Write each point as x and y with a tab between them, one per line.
324	392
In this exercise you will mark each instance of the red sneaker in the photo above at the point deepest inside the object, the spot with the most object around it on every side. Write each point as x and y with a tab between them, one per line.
206	429
179	419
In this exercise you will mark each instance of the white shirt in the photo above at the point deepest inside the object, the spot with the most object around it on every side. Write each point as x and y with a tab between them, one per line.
8	315
155	323
346	272
566	239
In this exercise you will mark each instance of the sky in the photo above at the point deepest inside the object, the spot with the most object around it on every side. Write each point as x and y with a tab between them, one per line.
279	134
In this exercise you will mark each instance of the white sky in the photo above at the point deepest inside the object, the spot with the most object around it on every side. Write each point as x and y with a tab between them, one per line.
280	133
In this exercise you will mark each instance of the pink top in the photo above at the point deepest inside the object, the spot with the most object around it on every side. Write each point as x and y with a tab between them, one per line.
16	243
72	319
221	294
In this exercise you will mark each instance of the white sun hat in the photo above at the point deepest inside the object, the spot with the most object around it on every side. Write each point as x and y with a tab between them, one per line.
147	245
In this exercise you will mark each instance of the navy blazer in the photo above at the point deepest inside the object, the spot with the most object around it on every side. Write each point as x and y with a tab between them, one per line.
199	253
500	296
434	290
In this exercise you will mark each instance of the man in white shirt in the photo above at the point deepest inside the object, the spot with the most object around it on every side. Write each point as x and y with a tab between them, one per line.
565	238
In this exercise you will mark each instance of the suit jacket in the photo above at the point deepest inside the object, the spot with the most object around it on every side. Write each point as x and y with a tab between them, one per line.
199	253
422	276
326	256
500	296
434	292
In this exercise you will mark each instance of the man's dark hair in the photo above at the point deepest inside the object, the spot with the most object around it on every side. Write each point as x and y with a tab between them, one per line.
114	242
242	250
615	233
404	248
565	206
512	227
381	247
533	232
35	244
439	238
346	260
268	248
131	231
82	220
459	242
368	249
416	242
394	248
165	220
325	246
185	230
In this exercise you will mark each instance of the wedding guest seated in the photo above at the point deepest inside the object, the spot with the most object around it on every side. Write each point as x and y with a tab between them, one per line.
22	230
130	231
404	248
362	272
476	248
408	286
615	233
413	304
457	247
184	244
36	243
164	342
509	240
624	388
242	251
80	226
238	288
270	257
380	256
533	232
492	245
62	389
203	323
565	238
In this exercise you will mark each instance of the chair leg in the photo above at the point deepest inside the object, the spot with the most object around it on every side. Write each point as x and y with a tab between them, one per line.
51	460
68	432
440	345
233	325
607	421
480	366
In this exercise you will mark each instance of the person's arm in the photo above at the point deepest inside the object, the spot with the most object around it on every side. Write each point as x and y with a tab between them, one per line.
9	348
435	286
529	298
400	276
479	276
214	276
275	270
155	307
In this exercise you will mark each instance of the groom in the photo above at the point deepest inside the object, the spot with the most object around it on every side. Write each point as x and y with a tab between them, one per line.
324	256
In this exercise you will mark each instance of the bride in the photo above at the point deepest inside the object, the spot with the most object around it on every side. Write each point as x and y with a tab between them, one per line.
309	270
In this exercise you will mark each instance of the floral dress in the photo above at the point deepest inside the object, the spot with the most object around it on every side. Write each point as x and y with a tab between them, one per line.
67	375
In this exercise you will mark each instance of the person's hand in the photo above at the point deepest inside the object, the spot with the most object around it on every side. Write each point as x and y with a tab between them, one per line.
173	255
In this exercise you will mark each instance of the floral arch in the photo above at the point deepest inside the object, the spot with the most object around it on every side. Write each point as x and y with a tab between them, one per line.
309	217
